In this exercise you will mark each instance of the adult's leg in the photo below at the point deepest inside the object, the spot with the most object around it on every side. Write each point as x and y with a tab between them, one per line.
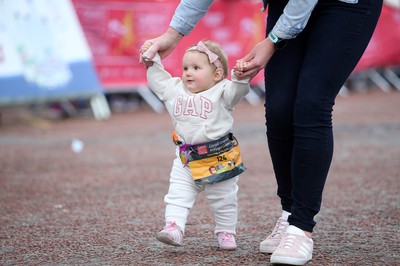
281	79
336	37
299	104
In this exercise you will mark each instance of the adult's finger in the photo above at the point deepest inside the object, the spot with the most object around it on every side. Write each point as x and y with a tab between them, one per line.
249	71
146	51
151	52
247	58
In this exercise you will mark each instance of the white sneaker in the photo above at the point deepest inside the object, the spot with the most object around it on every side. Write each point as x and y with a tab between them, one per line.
272	241
295	248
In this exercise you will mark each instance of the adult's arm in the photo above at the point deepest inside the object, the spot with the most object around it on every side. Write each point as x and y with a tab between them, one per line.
187	15
294	18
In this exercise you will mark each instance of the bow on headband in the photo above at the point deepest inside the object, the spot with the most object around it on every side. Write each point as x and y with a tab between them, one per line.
212	57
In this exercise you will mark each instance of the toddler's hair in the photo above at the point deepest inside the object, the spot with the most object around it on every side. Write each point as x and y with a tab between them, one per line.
217	49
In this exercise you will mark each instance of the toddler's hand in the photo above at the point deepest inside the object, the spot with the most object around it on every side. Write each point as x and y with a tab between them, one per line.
148	63
143	58
240	67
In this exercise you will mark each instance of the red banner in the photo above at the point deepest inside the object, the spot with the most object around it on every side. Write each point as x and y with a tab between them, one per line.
384	48
115	30
236	25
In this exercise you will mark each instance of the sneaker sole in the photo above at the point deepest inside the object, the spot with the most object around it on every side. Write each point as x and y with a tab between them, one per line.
166	240
227	248
269	250
288	260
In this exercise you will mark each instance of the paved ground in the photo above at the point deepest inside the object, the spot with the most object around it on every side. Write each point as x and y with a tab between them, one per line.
104	205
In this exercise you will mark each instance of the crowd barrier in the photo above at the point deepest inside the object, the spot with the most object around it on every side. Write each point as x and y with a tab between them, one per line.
115	29
384	48
380	64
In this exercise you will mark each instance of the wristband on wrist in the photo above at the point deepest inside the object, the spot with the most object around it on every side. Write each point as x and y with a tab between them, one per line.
278	42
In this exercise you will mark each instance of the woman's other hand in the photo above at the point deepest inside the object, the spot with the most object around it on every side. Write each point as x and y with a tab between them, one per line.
253	62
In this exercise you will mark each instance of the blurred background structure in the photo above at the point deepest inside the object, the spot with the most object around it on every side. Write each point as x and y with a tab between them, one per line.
80	57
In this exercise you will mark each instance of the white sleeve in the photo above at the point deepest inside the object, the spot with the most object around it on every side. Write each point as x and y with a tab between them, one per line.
235	90
159	79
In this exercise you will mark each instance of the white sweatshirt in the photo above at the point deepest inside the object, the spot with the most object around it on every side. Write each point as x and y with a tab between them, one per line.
197	117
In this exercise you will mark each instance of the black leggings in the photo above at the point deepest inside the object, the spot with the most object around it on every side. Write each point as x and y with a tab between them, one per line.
301	82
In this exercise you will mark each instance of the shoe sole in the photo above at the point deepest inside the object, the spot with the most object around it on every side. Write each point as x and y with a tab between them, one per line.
228	248
268	250
166	240
288	260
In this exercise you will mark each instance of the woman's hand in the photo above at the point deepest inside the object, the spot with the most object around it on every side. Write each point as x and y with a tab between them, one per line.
163	45
256	60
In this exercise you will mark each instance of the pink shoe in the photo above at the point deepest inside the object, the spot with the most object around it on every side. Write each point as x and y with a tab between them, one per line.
171	234
295	248
226	241
272	241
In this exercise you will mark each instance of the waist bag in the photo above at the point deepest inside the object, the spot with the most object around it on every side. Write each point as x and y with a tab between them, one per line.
214	161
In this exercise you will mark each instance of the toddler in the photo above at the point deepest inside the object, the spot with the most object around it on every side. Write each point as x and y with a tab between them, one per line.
200	104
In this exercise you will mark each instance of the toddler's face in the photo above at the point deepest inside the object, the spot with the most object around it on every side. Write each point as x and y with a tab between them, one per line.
198	74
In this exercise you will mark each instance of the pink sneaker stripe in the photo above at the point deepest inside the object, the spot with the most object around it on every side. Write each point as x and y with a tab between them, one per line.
226	241
171	234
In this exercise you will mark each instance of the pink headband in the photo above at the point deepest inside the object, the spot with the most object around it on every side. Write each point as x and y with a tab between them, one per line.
212	57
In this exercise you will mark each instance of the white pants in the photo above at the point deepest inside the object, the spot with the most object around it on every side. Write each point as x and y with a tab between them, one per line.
182	193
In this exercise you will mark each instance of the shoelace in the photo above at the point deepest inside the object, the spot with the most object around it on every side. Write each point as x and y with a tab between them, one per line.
225	236
170	226
280	227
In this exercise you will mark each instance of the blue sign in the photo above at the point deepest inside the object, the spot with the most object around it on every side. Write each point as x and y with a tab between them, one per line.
43	53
